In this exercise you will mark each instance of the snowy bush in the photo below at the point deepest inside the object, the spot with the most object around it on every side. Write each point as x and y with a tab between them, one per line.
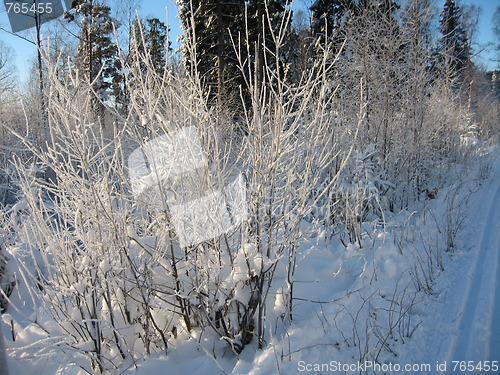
7	195
361	193
106	267
110	277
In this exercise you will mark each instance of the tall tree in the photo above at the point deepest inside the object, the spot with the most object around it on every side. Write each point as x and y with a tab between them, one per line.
454	49
156	43
149	41
36	16
328	17
6	69
214	28
496	31
266	22
97	56
210	28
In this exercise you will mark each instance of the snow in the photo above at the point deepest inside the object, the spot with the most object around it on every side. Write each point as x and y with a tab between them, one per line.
478	304
464	324
344	300
19	206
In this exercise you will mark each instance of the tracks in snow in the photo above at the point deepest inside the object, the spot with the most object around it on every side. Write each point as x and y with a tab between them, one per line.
478	328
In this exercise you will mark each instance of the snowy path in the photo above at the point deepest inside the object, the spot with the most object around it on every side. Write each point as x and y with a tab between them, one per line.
478	318
494	347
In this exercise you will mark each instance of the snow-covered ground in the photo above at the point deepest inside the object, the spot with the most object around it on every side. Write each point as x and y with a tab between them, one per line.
401	304
462	318
476	340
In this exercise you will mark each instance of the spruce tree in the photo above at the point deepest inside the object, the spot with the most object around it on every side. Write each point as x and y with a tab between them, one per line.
265	18
328	17
149	41
156	43
453	50
210	28
97	56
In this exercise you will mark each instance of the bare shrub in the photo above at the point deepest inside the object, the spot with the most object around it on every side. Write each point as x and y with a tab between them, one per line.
109	276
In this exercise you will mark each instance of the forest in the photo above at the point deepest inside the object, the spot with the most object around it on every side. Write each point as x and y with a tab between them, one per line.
287	187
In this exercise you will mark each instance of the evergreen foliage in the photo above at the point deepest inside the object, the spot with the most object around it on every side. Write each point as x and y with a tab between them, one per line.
265	22
328	19
156	41
453	50
150	42
97	56
212	27
228	34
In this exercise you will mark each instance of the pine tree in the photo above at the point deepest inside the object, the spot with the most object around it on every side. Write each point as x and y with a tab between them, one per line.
300	47
149	41
156	43
496	31
328	17
453	54
265	19
215	28
97	56
210	28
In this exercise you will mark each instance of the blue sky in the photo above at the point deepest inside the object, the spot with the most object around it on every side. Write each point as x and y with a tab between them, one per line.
485	28
156	8
25	52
